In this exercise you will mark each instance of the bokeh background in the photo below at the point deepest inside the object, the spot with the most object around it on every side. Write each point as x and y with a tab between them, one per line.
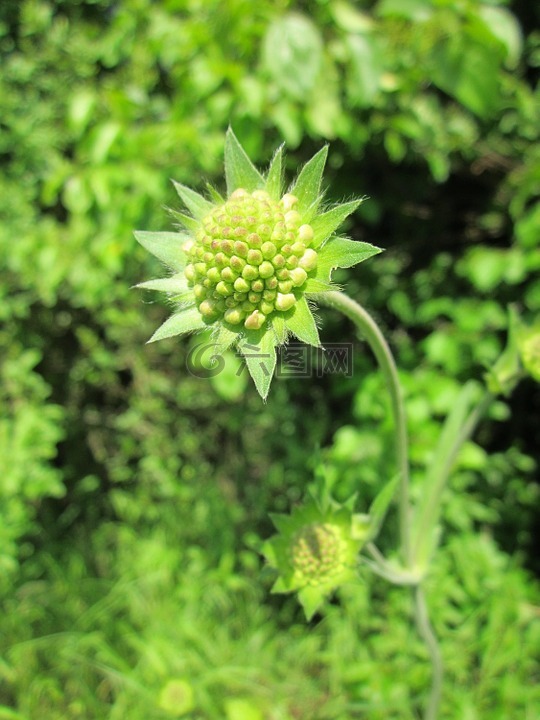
134	495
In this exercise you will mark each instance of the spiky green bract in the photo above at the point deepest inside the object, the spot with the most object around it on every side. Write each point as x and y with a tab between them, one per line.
248	264
315	551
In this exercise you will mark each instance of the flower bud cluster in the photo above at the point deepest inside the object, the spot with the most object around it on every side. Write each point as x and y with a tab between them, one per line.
251	257
318	553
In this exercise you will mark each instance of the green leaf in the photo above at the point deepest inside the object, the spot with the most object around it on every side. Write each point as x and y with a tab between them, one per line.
195	203
188	222
280	329
259	351
177	284
166	246
239	170
217	197
313	285
302	323
324	225
308	184
181	322
311	598
343	253
223	338
274	177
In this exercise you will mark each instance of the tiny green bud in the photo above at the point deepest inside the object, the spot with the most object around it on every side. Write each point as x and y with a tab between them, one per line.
208	308
298	276
199	291
213	275
234	316
308	261
241	285
255	321
254	257
237	263
288	201
266	307
261	195
254	240
266	269
285	286
285	301
305	233
268	250
292	219
292	261
224	288
228	274
240	248
250	272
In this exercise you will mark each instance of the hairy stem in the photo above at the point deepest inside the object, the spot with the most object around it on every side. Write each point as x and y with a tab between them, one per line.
370	332
425	631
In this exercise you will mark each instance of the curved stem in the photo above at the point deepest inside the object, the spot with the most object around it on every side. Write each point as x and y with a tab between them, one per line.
425	631
369	330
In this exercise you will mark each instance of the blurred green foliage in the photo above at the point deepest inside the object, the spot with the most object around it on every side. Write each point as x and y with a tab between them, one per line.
133	495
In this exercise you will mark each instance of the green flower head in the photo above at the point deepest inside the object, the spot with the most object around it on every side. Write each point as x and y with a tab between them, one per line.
314	552
247	265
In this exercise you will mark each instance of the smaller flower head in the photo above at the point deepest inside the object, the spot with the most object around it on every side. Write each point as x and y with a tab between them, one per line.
314	552
248	264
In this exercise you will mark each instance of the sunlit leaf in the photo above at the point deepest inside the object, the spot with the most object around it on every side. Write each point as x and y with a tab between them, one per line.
196	204
324	224
258	349
239	170
307	186
181	322
300	322
343	253
166	246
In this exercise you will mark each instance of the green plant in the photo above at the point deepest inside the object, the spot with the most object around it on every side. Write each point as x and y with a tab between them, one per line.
248	265
227	278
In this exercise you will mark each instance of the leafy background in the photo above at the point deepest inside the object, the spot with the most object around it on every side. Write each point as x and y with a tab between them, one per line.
133	496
